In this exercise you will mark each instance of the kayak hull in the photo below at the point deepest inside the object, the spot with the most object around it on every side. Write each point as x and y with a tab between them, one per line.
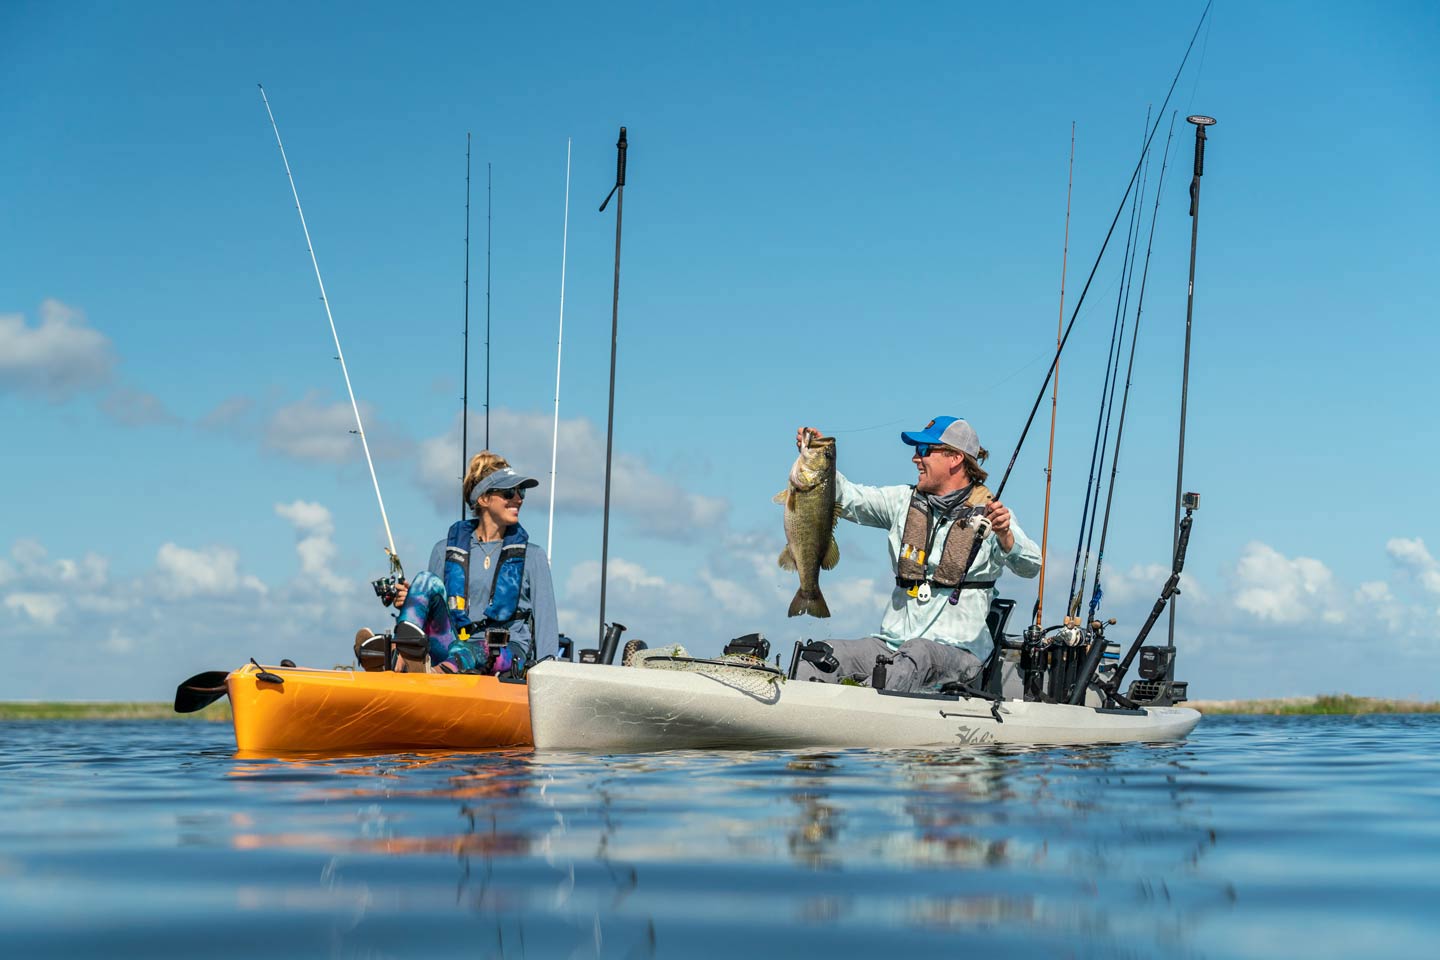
596	707
333	711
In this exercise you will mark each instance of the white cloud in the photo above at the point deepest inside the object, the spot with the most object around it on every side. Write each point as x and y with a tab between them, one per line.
42	608
1413	557
1276	588
228	411
314	431
654	504
45	590
210	571
316	549
135	408
1271	633
59	358
1375	591
30	563
862	599
193	610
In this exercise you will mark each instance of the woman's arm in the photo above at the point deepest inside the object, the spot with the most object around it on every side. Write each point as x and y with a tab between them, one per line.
546	627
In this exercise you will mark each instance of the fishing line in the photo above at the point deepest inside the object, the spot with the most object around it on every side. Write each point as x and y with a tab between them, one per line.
1090	310
1107	390
339	353
559	347
878	426
465	391
1118	210
1200	68
1096	595
489	211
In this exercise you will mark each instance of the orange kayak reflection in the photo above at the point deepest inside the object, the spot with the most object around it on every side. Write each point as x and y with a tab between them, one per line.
340	711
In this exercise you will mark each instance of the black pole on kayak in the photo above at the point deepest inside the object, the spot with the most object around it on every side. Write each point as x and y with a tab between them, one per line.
618	192
1168	593
1201	122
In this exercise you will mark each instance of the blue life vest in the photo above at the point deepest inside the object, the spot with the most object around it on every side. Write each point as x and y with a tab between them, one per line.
504	586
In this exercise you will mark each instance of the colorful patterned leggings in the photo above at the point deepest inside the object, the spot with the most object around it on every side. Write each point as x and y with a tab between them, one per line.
427	607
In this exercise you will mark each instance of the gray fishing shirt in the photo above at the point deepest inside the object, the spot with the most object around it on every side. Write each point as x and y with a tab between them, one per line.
537	592
961	624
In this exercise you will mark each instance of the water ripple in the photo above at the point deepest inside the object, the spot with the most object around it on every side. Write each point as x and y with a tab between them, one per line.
1262	836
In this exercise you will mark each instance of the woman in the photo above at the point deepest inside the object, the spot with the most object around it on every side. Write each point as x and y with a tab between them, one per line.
486	603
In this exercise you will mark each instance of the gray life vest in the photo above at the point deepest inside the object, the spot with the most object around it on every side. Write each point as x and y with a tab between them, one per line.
917	546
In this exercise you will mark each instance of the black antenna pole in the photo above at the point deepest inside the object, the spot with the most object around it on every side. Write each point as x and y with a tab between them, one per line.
618	192
488	209
465	394
1201	122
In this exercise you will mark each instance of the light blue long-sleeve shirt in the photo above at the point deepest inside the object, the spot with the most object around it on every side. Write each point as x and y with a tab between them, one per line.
962	623
537	592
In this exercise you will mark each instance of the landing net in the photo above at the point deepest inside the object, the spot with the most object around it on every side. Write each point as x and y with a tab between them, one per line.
750	674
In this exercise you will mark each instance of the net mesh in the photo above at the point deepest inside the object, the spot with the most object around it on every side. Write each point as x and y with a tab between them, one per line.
749	674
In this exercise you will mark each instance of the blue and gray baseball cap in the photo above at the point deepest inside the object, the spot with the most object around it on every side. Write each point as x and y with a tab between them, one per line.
502	479
949	431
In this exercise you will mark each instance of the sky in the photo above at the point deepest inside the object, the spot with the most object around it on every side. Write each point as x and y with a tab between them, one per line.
843	215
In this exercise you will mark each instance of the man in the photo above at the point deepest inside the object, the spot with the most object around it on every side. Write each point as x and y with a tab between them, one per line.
935	629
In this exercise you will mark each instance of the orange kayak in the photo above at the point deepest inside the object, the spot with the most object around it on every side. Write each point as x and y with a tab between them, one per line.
324	711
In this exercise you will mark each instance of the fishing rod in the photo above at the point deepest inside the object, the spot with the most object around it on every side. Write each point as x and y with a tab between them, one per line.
1101	445
465	394
1097	448
559	347
1129	370
1118	210
1201	122
1055	390
489	211
395	568
618	192
983	526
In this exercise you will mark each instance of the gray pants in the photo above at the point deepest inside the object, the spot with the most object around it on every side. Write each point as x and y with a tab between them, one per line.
920	665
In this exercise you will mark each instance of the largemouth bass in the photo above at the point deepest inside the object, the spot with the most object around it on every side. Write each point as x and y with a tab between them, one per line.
810	516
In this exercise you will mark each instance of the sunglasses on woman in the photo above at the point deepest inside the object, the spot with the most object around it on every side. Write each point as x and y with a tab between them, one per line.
514	493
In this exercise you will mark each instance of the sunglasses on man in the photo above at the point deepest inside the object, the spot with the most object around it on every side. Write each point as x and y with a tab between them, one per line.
923	450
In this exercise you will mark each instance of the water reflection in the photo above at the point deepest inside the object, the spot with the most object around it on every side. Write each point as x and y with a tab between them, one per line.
1215	848
614	856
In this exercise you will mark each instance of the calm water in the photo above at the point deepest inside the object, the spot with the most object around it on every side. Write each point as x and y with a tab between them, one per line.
1261	837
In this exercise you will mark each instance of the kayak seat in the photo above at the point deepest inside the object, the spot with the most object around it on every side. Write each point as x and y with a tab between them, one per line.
996	619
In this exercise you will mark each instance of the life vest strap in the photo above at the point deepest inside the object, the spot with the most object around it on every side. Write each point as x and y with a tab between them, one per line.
912	586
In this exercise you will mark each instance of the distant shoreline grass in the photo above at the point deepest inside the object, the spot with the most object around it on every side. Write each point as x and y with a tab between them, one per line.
108	710
1327	704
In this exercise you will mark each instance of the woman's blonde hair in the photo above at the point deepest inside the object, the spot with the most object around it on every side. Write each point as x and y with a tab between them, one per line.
481	466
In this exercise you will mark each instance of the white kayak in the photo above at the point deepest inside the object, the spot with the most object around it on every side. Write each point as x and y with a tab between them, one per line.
597	707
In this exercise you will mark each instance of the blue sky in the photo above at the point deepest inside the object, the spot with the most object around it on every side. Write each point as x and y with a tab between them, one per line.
846	215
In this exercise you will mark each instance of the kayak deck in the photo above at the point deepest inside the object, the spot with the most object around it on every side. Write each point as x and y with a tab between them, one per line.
597	707
319	711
